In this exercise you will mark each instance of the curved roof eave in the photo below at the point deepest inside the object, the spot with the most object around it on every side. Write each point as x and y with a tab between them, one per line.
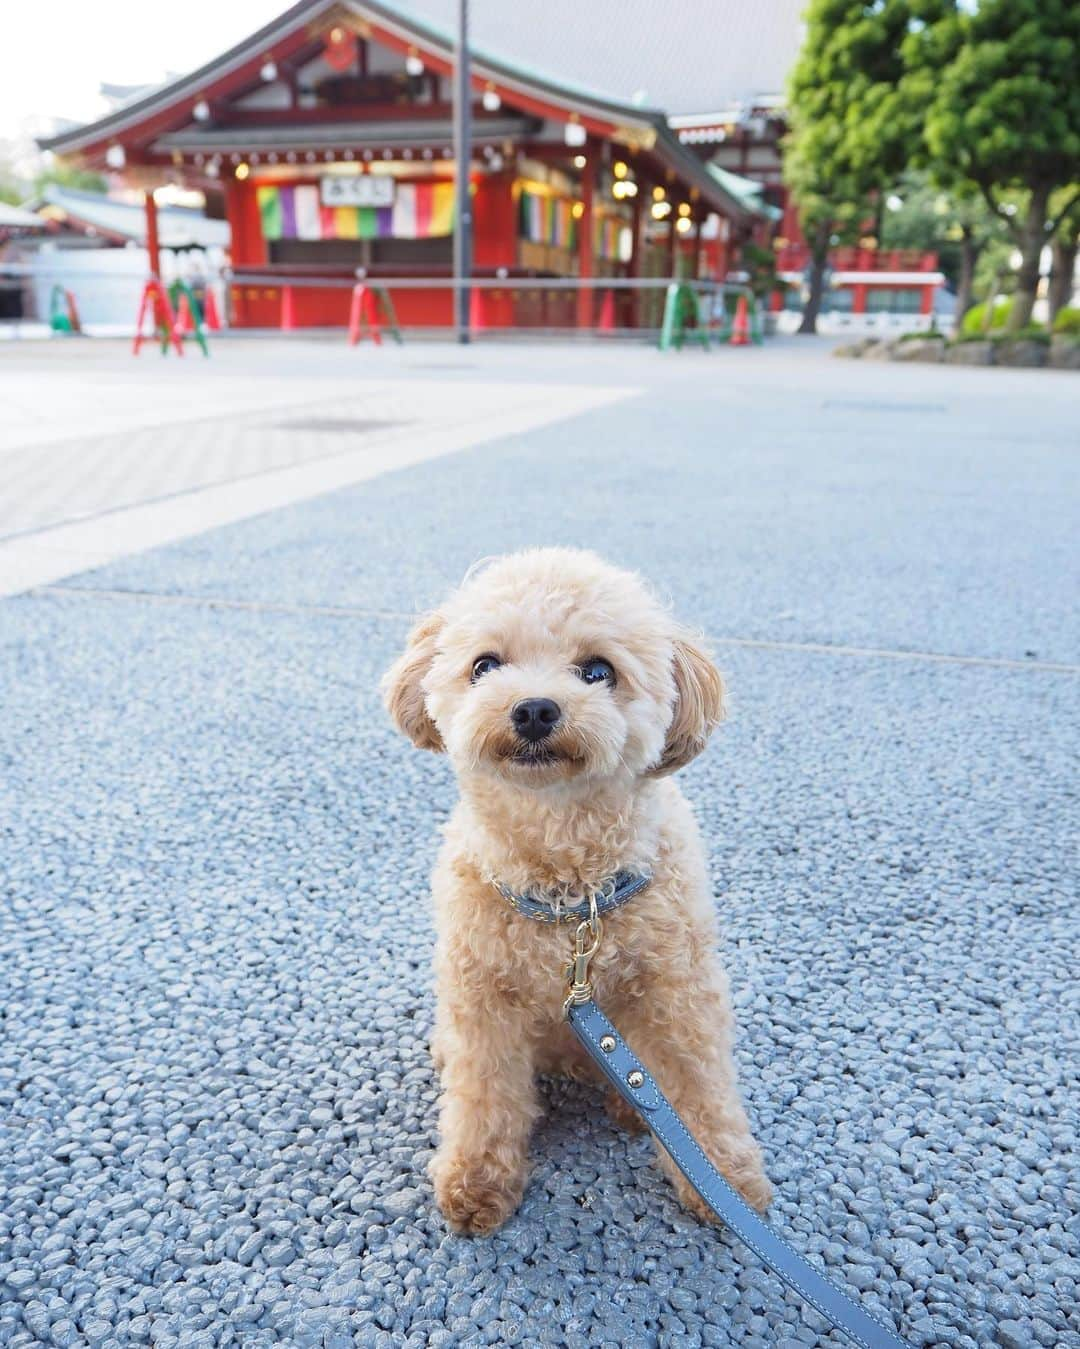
650	123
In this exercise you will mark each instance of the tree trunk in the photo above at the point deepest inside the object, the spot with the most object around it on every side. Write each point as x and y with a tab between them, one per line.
969	257
1032	241
819	256
1062	268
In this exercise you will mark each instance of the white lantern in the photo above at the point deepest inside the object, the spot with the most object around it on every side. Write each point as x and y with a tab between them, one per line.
413	65
574	134
491	101
201	111
268	71
115	157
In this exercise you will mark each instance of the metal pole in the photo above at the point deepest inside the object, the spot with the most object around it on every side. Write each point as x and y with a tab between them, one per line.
462	158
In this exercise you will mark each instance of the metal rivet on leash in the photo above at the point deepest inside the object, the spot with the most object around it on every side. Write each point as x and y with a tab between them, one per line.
607	1043
635	1079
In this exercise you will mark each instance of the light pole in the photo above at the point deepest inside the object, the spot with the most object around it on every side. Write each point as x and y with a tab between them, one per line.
462	157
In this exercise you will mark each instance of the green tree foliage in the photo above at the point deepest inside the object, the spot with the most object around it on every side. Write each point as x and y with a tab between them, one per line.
66	176
851	123
1000	87
954	221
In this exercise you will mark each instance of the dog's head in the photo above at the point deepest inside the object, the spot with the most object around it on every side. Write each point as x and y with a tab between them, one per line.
550	666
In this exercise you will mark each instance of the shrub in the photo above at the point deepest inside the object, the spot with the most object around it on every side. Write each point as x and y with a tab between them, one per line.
1067	322
974	321
920	337
1032	332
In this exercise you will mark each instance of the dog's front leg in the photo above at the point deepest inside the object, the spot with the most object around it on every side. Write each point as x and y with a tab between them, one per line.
486	1114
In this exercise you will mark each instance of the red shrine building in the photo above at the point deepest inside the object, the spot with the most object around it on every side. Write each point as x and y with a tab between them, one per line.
329	133
328	136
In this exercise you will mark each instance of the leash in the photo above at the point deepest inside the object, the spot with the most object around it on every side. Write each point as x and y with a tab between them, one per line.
632	1080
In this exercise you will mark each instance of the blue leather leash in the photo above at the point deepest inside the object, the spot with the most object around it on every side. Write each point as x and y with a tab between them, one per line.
611	1054
632	1080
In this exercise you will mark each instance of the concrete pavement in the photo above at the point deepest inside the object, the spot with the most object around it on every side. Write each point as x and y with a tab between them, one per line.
214	935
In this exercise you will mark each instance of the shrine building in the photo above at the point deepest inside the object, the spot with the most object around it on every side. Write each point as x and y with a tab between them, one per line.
329	135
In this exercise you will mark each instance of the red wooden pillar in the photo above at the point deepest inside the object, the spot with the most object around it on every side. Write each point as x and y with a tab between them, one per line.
637	253
673	235
858	302
699	220
153	248
927	304
495	245
585	234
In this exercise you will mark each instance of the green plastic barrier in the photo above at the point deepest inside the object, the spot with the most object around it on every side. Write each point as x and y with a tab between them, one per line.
682	304
177	289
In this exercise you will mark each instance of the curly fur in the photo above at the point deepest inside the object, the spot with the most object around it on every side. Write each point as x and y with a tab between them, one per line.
600	802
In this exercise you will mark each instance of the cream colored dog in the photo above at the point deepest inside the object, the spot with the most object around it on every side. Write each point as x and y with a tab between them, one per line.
564	695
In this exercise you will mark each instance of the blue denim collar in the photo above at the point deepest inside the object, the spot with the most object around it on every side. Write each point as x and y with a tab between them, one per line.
624	885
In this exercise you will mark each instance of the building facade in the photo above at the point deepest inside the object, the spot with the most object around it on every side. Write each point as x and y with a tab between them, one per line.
329	132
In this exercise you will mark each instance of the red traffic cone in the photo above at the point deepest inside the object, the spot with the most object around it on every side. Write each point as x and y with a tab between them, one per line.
740	329
184	321
211	317
363	314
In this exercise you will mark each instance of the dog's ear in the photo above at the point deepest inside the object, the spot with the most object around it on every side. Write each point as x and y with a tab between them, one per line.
699	705
402	685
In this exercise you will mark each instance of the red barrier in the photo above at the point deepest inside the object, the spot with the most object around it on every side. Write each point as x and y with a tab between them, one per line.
155	300
363	314
73	312
288	310
211	317
185	323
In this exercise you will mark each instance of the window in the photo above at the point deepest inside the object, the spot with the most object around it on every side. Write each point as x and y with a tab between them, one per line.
894	300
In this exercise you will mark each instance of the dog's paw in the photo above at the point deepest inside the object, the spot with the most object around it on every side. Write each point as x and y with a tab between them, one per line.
475	1195
622	1114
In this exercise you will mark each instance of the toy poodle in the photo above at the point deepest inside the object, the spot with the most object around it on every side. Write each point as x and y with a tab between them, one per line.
565	696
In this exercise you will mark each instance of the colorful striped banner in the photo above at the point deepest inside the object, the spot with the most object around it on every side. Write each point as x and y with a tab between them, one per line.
544	219
607	230
420	211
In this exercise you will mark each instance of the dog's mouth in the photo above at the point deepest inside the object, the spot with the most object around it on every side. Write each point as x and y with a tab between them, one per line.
536	757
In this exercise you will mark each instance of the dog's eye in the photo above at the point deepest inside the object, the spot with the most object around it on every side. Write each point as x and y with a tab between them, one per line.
597	671
484	665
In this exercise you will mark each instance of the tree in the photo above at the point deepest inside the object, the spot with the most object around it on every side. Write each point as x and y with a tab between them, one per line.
1063	249
65	175
956	223
1004	113
850	123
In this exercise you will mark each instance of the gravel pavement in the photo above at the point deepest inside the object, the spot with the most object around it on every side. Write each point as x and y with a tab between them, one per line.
216	1100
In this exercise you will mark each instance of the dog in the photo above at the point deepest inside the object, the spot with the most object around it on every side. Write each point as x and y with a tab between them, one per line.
565	696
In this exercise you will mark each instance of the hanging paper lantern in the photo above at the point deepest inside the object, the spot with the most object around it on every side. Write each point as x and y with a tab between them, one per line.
339	49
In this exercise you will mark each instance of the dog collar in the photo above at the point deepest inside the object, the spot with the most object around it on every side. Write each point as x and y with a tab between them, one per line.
612	894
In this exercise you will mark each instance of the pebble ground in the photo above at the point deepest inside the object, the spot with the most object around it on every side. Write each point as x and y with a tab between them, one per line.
216	1101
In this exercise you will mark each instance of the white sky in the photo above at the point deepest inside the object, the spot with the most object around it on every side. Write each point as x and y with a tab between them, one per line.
53	59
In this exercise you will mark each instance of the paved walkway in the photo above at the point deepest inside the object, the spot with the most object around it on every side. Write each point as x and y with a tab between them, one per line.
215	1096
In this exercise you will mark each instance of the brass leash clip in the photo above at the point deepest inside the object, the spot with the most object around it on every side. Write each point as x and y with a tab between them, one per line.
586	945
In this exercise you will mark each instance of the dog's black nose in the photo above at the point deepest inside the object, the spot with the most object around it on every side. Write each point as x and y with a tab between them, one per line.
535	718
